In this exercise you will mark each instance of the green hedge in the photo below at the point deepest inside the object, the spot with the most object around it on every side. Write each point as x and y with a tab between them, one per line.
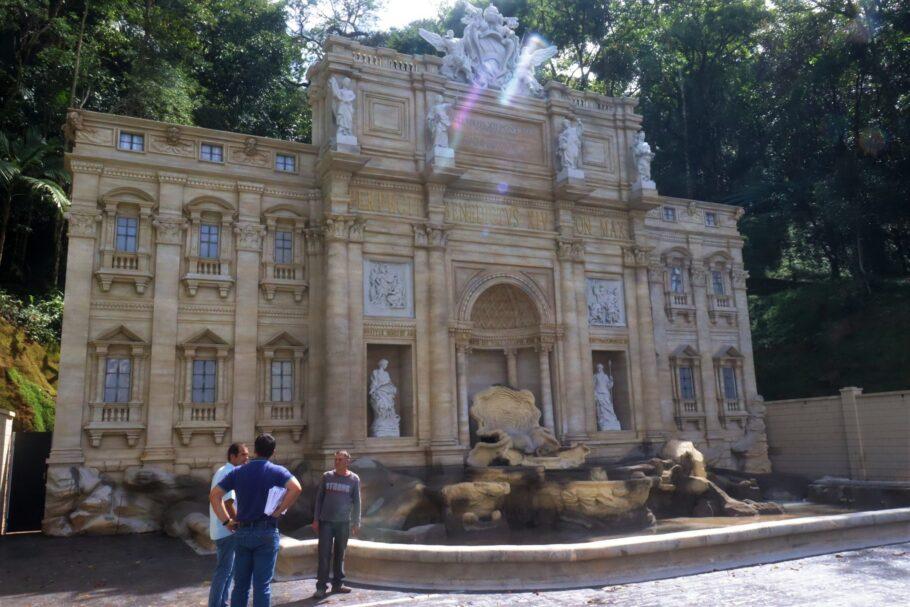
40	402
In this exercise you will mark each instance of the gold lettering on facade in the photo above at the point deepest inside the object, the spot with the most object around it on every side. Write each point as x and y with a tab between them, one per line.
603	227
497	215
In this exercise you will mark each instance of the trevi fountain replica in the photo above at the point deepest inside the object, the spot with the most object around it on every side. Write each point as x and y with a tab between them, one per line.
468	279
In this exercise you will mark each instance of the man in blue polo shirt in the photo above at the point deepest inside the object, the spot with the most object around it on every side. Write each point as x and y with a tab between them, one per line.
255	530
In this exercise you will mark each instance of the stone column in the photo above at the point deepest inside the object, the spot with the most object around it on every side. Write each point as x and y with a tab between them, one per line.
6	460
357	360
169	228
573	409
546	392
67	440
512	367
336	396
584	344
461	365
636	258
245	404
708	376
422	340
444	431
739	277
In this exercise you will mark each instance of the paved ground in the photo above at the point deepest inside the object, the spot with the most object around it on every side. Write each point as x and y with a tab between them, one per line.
153	570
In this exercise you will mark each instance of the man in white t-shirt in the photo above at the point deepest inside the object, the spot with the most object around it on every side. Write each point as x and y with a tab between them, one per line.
237	455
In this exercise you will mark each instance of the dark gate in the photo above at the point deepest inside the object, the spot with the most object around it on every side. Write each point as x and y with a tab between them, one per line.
26	488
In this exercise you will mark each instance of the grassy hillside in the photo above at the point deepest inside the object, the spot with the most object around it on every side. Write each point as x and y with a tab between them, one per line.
814	339
28	378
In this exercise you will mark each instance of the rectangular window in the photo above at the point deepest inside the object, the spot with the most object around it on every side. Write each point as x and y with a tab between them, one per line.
729	376
204	381
117	380
669	214
211	152
208	240
686	383
286	163
134	142
710	219
284	243
127	228
282	381
717	282
676	280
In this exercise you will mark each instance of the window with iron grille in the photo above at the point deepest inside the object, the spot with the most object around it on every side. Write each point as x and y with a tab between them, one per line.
208	240
286	163
282	381
127	228
686	383
204	375
284	247
134	142
117	380
211	152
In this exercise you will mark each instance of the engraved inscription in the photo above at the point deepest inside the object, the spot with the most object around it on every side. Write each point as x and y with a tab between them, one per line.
389	202
601	227
497	215
506	139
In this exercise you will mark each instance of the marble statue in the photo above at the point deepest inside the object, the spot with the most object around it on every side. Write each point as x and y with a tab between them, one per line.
382	400
643	155
343	107
605	303
569	144
603	401
386	287
439	121
490	55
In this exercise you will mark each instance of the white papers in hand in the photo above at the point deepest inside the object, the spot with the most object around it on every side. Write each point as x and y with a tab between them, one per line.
276	494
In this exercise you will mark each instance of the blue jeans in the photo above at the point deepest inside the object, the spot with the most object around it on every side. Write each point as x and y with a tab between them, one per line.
256	550
224	572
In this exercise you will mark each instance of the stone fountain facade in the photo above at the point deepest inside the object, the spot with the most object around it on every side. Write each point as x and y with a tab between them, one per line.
220	285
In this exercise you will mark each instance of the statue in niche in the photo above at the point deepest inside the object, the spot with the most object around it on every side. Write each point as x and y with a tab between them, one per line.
382	401
569	144
386	287
643	155
603	400
343	106
438	121
604	304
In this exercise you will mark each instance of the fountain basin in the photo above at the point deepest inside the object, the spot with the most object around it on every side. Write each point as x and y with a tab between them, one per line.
598	563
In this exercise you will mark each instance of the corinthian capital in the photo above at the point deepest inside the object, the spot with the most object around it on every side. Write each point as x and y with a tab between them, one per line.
249	236
635	256
568	249
169	230
82	224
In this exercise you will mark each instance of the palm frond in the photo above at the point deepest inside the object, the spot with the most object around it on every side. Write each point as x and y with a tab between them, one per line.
8	172
47	188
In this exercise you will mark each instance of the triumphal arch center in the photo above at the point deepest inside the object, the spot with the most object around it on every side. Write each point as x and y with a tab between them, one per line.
454	225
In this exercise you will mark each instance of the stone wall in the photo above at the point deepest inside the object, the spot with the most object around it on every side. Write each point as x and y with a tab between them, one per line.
854	435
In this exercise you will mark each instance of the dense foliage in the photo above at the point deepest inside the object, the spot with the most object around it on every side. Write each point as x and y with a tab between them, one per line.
799	110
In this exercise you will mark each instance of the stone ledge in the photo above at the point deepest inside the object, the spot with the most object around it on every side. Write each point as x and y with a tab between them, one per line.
613	561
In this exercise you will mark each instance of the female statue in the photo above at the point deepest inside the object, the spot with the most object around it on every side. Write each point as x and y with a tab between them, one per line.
382	400
603	401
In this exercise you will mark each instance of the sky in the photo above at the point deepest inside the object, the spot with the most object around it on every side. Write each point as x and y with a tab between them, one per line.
398	13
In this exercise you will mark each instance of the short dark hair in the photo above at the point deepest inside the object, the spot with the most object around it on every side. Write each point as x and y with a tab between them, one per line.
234	449
344	453
265	445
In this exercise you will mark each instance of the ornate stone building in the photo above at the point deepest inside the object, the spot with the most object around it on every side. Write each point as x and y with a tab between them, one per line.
219	285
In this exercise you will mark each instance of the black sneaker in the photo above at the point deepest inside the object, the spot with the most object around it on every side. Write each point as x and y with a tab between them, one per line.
340	589
319	594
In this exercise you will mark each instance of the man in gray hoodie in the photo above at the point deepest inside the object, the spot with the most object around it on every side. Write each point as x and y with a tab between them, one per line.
335	518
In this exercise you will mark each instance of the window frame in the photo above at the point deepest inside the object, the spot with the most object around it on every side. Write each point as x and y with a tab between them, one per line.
199	394
285	377
713	222
133	137
211	148
282	167
669	214
717	280
725	385
117	374
134	236
682	386
289	249
205	232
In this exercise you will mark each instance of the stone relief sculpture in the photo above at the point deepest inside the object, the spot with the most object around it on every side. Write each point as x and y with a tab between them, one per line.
382	401
343	97
603	401
569	144
605	303
489	55
643	156
439	121
386	288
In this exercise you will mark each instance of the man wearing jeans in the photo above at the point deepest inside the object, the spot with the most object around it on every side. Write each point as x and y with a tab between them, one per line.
337	508
237	455
255	530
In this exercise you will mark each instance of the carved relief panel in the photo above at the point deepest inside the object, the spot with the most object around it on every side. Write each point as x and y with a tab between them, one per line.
388	288
606	303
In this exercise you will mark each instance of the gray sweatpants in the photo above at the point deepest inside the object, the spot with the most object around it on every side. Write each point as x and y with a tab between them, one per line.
330	533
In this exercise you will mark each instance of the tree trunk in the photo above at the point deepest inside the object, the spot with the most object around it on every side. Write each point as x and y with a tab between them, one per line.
78	54
59	222
7	204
